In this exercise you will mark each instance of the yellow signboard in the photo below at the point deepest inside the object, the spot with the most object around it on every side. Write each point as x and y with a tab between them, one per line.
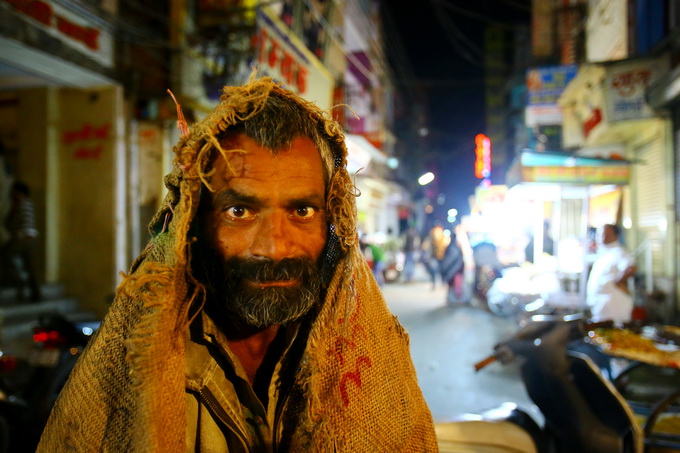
609	174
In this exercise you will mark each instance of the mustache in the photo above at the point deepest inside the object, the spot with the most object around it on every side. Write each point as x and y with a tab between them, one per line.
262	270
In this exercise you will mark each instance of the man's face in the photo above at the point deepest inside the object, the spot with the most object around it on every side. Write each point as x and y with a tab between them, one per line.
266	224
606	235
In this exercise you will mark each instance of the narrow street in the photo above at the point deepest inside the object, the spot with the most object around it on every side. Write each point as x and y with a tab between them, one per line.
446	342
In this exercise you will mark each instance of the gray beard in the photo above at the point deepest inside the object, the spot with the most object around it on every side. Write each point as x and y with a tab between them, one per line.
245	303
264	307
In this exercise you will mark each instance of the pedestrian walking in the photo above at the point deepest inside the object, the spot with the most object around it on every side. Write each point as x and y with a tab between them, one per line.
410	249
452	272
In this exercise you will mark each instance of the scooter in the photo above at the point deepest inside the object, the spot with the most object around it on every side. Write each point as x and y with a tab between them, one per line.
28	389
583	411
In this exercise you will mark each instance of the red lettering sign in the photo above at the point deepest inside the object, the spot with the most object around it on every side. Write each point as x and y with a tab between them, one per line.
302	74
271	53
86	132
287	68
89	134
43	13
626	83
84	153
272	56
38	10
86	35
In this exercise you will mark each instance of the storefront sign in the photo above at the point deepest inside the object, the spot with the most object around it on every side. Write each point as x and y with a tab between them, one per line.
580	175
68	27
281	55
544	87
626	85
493	194
532	166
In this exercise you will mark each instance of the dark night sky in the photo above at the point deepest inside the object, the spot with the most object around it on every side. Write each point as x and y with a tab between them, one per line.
437	46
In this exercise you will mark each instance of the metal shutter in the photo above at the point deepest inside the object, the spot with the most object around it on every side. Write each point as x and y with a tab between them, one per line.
650	199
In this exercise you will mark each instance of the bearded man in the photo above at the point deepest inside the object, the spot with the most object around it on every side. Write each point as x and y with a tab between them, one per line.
251	322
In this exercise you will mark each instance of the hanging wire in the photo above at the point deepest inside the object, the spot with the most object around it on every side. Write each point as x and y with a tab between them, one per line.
403	68
463	46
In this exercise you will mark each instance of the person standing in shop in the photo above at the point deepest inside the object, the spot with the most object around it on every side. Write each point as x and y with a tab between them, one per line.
607	296
17	253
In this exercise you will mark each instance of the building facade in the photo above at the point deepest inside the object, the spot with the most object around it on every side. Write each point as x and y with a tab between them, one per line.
87	122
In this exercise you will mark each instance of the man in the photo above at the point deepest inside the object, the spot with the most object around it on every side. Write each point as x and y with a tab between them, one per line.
452	271
410	246
17	253
548	244
251	321
607	295
375	256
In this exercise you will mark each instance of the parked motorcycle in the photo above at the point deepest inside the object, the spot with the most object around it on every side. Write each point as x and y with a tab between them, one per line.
28	389
394	266
583	411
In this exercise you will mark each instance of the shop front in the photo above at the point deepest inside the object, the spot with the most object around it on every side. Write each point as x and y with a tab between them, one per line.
664	96
379	200
553	203
62	133
606	114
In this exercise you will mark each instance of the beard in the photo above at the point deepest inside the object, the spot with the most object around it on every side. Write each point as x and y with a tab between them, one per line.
244	292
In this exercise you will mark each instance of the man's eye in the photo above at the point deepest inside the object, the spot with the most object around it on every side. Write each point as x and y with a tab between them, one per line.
239	212
305	212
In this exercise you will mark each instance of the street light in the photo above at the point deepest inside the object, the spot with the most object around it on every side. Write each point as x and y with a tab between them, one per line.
452	215
426	178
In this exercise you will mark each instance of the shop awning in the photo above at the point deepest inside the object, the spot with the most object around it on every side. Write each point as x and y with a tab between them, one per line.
360	153
564	168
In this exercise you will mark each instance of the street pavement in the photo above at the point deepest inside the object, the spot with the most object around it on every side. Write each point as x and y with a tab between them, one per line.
446	342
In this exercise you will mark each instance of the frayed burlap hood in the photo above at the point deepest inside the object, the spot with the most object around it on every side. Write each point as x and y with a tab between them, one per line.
355	379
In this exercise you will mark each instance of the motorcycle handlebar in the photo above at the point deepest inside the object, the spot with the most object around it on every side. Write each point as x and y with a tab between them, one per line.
530	337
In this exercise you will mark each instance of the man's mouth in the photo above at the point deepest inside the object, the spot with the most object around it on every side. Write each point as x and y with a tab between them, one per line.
275	283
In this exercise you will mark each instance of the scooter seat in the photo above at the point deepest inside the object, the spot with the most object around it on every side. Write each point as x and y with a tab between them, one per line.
483	436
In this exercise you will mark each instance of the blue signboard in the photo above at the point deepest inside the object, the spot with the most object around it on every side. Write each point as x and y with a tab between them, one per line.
544	87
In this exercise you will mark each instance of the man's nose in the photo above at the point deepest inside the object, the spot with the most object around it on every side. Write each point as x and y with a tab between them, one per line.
273	238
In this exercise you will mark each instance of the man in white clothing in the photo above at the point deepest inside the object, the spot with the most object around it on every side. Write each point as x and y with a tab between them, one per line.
608	296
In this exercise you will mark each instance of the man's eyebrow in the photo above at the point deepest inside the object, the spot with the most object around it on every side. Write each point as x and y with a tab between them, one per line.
314	199
231	196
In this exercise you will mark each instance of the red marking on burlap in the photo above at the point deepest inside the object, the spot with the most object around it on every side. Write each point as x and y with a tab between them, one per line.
343	344
340	344
353	376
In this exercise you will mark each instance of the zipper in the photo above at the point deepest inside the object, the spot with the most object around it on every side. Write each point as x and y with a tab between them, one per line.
219	411
280	406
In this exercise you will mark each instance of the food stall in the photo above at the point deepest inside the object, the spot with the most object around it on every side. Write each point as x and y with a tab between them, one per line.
572	195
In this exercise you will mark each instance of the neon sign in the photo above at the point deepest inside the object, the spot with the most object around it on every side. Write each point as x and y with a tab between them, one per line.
483	154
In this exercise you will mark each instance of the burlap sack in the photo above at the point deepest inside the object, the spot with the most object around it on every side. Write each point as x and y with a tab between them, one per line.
356	387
